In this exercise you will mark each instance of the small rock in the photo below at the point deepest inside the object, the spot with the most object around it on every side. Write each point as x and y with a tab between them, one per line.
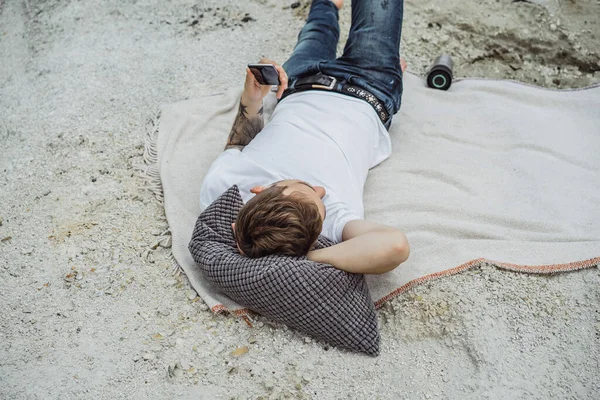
46	193
191	294
137	358
240	351
174	370
27	252
295	4
172	282
149	356
307	377
156	347
164	312
156	232
269	384
70	305
218	349
185	364
553	27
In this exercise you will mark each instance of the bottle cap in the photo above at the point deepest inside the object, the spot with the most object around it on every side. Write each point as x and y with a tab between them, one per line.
440	73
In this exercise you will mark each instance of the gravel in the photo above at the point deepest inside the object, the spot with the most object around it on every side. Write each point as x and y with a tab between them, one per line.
90	308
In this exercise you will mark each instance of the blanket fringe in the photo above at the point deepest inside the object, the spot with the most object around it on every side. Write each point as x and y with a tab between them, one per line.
149	171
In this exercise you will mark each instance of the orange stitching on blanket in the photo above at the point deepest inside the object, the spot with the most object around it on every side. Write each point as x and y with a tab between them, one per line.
550	268
248	321
220	308
426	278
536	269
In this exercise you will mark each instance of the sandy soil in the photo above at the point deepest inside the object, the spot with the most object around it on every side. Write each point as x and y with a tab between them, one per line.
84	315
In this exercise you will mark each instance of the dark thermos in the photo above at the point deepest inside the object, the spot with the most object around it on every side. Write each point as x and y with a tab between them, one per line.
440	73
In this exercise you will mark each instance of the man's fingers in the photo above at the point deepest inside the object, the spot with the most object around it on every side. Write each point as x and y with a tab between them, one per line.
283	78
283	81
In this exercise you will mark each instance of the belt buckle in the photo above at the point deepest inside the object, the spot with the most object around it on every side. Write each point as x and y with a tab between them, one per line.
329	87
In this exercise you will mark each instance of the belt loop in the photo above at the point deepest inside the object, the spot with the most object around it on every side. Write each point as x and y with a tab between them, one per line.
388	123
292	83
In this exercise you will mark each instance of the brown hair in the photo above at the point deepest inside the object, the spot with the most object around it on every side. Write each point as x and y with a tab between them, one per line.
272	222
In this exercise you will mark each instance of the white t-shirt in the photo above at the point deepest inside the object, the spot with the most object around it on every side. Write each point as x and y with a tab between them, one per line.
324	138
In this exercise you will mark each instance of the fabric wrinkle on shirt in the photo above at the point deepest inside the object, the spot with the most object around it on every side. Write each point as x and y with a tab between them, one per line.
324	138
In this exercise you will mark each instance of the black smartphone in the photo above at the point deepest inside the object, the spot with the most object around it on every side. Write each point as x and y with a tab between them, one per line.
265	74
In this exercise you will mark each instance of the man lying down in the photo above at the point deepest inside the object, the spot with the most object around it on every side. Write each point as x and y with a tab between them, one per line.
303	173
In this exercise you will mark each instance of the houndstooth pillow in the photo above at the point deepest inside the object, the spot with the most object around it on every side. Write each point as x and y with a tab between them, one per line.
317	299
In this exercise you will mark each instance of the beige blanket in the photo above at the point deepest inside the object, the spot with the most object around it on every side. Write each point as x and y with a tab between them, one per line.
490	171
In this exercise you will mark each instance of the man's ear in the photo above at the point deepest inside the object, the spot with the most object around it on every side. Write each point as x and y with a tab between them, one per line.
240	250
320	191
236	243
257	189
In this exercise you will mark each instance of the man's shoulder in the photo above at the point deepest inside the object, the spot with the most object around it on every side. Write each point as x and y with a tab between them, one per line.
233	167
219	177
227	160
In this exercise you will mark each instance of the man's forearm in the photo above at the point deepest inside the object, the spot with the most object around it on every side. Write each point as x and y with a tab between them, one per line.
248	123
371	253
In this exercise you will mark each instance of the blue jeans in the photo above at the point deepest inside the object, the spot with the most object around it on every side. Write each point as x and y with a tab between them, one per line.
371	58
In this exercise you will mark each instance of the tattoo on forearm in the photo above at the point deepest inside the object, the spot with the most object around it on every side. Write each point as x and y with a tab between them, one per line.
245	128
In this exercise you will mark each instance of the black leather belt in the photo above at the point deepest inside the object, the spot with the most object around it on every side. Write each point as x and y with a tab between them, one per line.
329	83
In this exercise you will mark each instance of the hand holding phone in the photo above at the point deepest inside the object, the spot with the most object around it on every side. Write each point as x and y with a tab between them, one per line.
261	76
265	74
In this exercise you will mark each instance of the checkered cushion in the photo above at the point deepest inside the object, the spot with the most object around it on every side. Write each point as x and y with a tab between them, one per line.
317	299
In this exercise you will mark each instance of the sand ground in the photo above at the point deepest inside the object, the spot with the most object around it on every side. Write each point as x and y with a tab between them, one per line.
84	315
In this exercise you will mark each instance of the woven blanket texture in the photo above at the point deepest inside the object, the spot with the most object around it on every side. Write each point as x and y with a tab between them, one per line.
491	171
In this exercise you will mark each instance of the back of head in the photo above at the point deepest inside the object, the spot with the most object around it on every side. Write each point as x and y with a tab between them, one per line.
273	222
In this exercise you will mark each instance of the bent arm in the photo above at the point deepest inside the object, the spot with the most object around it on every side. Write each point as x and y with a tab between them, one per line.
249	120
248	123
367	248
